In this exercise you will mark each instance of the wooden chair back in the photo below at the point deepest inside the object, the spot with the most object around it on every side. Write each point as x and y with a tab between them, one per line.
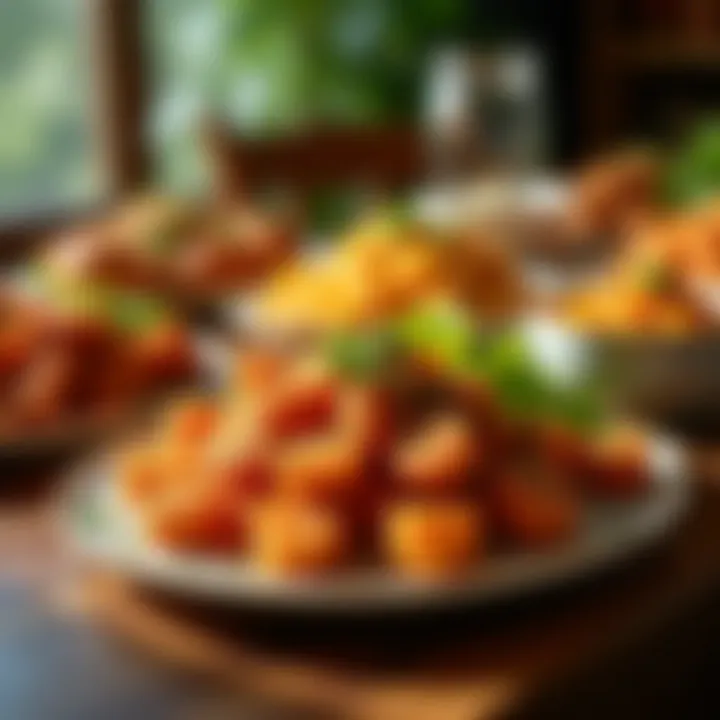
382	158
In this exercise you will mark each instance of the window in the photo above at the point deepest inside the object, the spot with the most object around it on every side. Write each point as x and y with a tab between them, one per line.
269	64
47	155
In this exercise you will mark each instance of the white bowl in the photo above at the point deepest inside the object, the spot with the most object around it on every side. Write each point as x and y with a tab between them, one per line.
658	376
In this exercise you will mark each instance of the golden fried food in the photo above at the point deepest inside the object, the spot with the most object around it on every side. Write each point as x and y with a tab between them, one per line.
325	465
613	192
620	463
427	539
440	455
312	470
196	517
293	538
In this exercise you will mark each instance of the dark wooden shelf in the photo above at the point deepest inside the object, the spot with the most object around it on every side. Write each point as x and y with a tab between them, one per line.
664	55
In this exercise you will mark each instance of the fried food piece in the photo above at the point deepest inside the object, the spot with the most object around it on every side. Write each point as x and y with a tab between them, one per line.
200	516
143	474
534	510
292	538
438	457
621	467
327	465
485	276
430	539
45	387
248	474
303	401
166	353
257	371
613	192
366	418
191	422
564	451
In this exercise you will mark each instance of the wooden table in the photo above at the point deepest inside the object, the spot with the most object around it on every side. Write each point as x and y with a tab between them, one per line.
639	642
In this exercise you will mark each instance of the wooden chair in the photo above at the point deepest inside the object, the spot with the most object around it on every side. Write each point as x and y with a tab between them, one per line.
383	159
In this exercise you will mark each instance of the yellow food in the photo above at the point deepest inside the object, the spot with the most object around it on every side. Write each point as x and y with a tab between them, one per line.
382	269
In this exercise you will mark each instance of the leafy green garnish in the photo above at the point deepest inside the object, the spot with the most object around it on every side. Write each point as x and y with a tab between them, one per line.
654	276
694	173
364	356
501	358
442	331
129	311
162	240
133	312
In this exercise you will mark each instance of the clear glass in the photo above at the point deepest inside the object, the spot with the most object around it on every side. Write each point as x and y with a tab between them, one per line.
484	112
48	157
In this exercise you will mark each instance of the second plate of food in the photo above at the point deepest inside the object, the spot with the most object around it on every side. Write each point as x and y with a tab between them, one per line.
73	372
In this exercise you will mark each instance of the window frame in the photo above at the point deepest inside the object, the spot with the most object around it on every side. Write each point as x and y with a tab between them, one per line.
118	104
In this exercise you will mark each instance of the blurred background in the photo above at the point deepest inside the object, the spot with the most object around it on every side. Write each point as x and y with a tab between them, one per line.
77	76
145	72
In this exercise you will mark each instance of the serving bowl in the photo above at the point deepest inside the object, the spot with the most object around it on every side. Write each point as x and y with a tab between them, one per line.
671	379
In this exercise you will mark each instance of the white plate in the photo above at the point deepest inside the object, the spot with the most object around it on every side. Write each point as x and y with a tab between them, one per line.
103	529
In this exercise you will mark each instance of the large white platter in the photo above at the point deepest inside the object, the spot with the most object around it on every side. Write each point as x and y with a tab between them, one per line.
102	528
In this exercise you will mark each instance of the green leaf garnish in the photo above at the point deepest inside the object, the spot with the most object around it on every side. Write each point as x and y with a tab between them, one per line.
364	355
501	358
655	277
129	311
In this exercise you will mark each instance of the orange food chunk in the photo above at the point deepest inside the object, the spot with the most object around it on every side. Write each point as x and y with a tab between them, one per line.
534	511
621	467
564	451
290	538
320	466
366	416
197	518
440	456
191	421
258	371
302	402
142	474
430	539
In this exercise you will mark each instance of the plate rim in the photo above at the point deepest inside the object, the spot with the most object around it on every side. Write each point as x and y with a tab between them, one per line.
207	579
